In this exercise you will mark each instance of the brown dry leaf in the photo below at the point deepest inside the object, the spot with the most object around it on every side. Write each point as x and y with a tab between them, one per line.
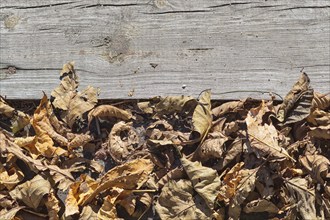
88	212
108	111
231	181
177	201
228	107
205	180
74	104
8	146
264	138
108	209
246	185
212	147
202	117
18	118
319	117
172	104
71	201
321	101
43	129
53	207
317	165
320	132
304	198
31	192
9	179
261	205
10	214
79	140
297	103
61	176
121	147
131	175
145	107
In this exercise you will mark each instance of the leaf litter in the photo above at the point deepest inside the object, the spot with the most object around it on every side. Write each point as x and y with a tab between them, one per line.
175	157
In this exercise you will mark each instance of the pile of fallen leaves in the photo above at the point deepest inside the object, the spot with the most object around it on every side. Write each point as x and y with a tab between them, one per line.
173	157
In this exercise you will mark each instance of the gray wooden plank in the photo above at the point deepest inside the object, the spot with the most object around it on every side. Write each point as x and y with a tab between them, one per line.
197	45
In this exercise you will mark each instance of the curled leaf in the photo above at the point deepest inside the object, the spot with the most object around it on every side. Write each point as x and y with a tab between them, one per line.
108	111
121	147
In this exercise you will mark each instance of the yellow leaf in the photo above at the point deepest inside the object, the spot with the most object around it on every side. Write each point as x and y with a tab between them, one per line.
10	178
108	209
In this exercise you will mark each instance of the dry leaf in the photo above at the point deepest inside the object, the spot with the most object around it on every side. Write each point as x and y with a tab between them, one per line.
212	147
44	143
321	101
304	197
121	147
177	201
108	111
79	140
317	165
320	132
297	103
226	107
31	192
202	117
264	138
53	207
172	104
10	214
131	175
89	212
108	209
10	178
260	205
205	180
74	104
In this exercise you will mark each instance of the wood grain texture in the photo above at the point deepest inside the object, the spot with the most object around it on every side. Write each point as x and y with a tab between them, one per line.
145	48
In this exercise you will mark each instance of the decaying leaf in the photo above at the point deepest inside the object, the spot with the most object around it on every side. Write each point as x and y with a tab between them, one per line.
31	192
304	198
74	104
108	111
297	103
202	117
177	201
205	180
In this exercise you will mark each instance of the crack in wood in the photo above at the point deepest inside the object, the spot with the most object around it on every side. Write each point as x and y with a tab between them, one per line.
177	12
36	6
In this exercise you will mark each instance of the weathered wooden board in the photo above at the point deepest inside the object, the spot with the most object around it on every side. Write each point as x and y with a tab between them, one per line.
164	47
